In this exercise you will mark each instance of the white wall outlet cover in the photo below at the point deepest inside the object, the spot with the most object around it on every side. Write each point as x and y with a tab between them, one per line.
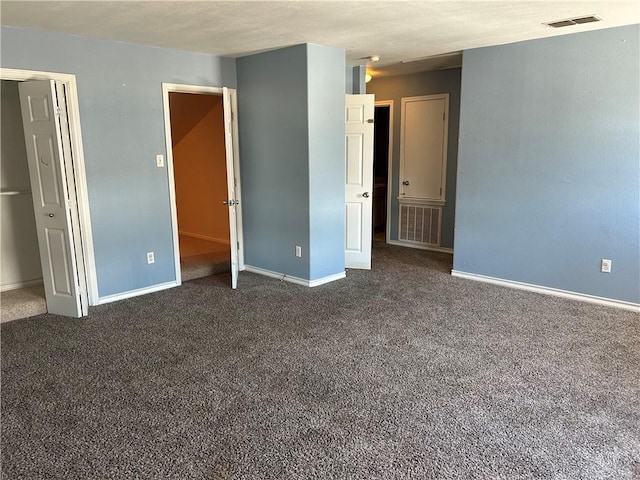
150	257
160	160
298	251
605	266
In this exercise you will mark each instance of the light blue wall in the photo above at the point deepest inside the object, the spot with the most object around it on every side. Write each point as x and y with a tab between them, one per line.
349	80
291	122
359	80
120	96
274	159
355	80
548	164
423	83
326	160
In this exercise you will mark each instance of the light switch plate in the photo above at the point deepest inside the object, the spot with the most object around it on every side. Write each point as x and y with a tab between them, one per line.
160	160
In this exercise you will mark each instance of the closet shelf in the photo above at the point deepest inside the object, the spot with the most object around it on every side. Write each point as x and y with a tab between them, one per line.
15	192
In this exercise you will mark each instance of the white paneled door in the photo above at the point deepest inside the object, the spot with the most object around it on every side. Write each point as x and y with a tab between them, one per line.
359	180
47	139
231	186
423	148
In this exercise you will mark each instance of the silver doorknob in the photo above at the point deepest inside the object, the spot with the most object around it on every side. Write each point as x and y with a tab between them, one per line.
406	182
51	215
365	194
230	202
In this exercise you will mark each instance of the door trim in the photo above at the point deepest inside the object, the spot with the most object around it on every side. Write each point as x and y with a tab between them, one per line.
200	89
388	103
90	289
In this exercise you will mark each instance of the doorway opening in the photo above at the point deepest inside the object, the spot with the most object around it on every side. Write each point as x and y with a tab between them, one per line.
382	152
204	186
200	176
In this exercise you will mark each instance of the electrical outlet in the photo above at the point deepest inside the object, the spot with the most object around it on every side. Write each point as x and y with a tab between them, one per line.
160	160
298	251
605	266
150	257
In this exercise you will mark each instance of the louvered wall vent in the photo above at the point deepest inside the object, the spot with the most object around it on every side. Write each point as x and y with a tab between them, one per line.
573	21
420	224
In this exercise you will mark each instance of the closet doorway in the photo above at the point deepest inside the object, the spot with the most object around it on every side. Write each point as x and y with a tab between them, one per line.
205	194
46	239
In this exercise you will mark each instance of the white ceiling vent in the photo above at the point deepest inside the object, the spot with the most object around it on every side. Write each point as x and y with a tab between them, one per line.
573	21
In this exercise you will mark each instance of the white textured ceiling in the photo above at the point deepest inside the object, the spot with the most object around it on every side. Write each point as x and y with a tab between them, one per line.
397	31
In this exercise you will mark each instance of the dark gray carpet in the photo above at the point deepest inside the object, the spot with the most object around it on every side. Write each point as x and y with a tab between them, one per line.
401	372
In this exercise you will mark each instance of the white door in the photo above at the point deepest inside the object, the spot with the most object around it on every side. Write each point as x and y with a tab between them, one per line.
232	201
423	147
359	180
43	113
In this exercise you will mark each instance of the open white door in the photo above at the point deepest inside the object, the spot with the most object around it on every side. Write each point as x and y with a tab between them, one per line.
231	201
43	113
359	180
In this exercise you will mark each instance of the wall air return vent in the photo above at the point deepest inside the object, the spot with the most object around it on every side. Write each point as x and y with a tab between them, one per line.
420	224
573	21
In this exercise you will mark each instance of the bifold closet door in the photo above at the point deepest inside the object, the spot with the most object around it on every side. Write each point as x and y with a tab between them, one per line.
43	109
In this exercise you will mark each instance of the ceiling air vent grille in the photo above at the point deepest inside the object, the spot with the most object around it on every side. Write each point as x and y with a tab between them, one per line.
573	21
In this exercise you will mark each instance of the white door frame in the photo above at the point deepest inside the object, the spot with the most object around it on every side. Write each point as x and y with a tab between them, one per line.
388	103
79	177
184	88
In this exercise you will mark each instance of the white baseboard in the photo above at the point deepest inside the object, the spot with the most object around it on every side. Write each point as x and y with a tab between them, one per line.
358	265
203	236
292	279
327	279
421	246
136	293
583	297
17	285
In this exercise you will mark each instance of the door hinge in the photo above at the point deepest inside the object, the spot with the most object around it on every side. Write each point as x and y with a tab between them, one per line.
443	115
440	191
238	244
